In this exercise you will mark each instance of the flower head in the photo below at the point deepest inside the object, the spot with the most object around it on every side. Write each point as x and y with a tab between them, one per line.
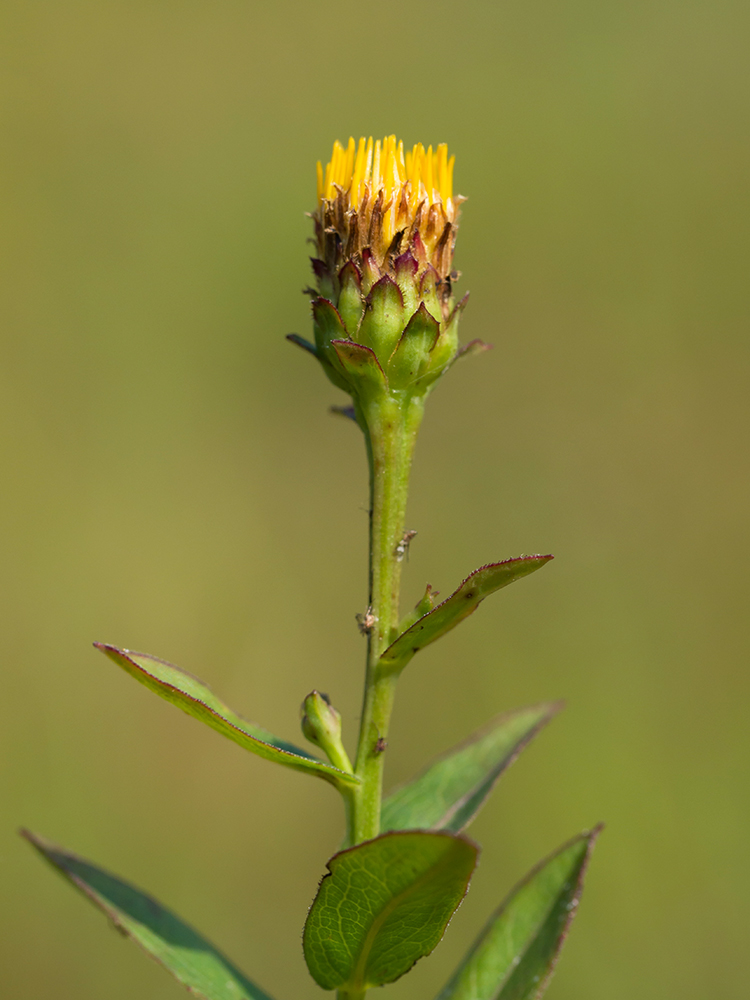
376	200
384	315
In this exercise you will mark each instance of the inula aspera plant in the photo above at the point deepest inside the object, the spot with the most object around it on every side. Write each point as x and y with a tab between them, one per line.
385	320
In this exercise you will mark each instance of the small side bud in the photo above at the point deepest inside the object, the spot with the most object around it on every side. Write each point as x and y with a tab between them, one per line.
428	601
423	607
320	720
321	725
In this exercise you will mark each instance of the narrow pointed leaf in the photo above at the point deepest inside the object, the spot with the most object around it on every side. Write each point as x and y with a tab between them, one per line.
452	790
384	905
462	602
197	699
515	955
295	338
191	959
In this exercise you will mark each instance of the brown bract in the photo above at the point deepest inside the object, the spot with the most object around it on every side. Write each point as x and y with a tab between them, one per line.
344	233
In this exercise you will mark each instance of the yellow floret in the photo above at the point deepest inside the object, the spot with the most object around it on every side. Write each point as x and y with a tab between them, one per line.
365	169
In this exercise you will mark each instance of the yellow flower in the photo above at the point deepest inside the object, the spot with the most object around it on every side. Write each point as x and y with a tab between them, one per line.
383	309
373	196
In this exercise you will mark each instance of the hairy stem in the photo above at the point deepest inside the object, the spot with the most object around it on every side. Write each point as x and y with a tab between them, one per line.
391	427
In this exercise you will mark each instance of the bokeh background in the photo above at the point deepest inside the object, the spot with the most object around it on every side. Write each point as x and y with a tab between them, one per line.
173	482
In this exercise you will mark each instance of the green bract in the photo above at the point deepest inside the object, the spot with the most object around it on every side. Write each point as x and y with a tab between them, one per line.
389	336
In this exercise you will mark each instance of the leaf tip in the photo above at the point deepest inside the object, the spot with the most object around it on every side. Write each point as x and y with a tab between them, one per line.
108	648
37	842
553	708
294	338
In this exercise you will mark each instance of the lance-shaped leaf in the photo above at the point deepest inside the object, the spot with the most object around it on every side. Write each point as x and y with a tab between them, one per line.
452	790
384	905
462	602
514	956
197	699
191	959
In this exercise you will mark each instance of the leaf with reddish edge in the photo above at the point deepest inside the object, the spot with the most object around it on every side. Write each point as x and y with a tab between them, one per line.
412	353
197	699
191	959
406	267
327	323
515	955
328	326
449	793
350	303
384	318
428	291
359	362
462	602
384	905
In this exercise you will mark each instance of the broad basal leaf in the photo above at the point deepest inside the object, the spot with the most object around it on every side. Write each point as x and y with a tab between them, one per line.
480	584
191	959
452	790
384	905
198	700
515	954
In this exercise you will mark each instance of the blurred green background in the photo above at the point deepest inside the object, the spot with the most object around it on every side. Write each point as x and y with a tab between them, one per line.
173	481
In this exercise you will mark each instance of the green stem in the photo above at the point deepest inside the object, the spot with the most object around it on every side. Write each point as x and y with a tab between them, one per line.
391	430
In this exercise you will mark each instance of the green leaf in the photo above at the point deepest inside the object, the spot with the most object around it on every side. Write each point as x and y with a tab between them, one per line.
462	602
515	954
384	905
452	790
197	699
191	959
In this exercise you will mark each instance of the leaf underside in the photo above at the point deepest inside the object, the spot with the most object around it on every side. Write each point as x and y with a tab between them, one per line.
197	699
461	603
514	956
191	959
383	906
449	793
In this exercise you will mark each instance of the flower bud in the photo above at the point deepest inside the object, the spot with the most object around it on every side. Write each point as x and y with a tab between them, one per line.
320	720
384	314
321	725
